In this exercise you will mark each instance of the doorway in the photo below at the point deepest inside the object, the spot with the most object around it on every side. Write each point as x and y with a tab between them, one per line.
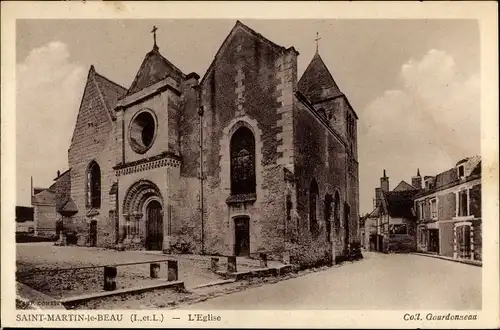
463	241
434	240
154	226
242	236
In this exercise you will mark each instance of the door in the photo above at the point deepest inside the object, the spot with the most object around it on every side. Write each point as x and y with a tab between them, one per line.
154	224
463	241
434	240
242	236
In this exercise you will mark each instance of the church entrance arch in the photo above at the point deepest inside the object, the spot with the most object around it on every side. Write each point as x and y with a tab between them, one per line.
143	214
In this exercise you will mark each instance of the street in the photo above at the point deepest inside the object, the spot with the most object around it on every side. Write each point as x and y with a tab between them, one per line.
395	281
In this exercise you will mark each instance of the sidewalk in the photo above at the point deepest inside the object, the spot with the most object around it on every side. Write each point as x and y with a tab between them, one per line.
463	261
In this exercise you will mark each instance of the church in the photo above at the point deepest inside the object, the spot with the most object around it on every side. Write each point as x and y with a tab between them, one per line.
247	159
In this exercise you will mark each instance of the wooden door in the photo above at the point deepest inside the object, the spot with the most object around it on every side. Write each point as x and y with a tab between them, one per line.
242	236
463	241
154	224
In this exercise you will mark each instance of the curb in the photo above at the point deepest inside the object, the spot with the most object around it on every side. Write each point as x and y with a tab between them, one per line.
201	286
462	261
178	285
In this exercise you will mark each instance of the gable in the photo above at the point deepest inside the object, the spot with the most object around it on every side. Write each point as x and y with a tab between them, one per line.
400	203
94	114
153	69
111	92
239	29
404	186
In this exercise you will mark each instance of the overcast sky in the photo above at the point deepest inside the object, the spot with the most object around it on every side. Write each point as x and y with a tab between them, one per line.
413	83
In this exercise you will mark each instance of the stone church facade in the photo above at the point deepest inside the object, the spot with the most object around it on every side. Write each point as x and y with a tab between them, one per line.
246	159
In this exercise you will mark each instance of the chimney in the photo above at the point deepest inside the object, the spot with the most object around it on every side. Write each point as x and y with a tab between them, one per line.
416	181
378	197
58	173
384	183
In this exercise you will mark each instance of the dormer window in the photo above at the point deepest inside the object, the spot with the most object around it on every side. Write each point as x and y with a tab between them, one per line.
461	171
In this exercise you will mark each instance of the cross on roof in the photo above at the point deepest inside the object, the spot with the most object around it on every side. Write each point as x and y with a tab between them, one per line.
317	41
154	36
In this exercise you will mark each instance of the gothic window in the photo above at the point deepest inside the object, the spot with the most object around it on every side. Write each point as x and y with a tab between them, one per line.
94	185
313	206
242	162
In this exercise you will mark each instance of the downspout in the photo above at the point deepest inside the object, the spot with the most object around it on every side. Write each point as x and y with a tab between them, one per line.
200	115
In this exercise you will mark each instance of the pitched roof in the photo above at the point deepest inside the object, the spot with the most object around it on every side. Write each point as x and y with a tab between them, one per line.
69	208
400	203
46	197
375	213
476	172
63	189
404	186
37	190
317	82
110	92
240	27
153	69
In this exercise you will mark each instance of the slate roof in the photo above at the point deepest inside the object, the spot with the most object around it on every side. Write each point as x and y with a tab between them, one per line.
317	82
63	190
404	186
46	197
69	208
110	91
449	178
400	203
38	190
153	69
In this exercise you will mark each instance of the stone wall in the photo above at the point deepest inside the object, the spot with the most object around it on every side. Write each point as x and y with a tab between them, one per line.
92	141
446	206
446	237
46	217
322	156
249	85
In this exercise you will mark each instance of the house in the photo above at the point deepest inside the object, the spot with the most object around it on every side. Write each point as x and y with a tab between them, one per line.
248	159
51	204
391	226
449	212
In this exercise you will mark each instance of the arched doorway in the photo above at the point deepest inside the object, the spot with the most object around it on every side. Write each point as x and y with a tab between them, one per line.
154	226
143	215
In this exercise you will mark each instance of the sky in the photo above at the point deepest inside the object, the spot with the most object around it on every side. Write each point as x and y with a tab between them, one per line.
414	84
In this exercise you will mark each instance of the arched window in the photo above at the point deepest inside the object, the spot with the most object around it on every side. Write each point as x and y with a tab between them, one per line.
313	206
242	162
94	185
336	212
